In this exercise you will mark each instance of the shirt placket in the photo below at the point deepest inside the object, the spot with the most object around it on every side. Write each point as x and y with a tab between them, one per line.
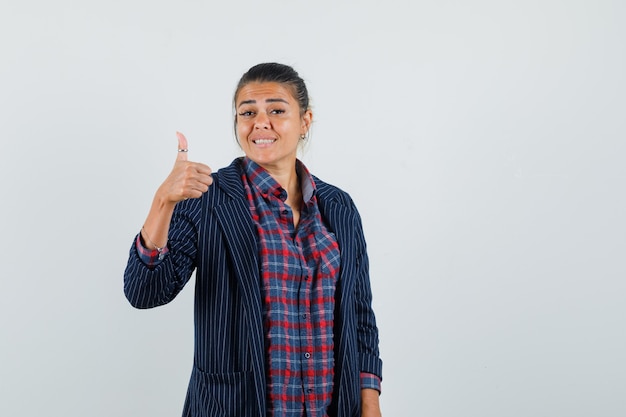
302	283
306	329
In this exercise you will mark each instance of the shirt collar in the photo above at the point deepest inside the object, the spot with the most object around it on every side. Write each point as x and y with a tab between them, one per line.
266	184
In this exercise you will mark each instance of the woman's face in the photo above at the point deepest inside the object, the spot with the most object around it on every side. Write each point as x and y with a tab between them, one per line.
269	124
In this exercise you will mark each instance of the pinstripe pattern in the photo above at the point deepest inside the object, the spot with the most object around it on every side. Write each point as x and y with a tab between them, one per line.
216	235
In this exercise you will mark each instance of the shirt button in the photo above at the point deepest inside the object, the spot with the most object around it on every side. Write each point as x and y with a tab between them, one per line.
304	316
284	212
307	355
309	390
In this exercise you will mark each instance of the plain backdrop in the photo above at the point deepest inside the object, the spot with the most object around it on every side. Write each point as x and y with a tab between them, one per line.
483	142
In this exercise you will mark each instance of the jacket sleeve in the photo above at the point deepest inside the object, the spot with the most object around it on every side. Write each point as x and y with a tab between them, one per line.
147	287
367	331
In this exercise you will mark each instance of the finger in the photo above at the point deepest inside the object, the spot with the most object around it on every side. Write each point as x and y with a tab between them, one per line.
203	169
206	180
182	147
200	181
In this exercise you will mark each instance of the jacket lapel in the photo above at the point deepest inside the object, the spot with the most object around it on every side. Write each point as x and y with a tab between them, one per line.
234	217
339	218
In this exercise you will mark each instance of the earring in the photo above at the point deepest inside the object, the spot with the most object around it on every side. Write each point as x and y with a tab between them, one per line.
302	137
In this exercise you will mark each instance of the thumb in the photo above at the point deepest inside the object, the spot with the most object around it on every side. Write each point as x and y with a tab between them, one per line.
182	147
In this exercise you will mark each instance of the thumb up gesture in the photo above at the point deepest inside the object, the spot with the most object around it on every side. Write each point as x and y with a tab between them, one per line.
187	179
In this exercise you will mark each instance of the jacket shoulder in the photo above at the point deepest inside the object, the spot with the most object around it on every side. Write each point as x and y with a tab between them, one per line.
227	180
328	193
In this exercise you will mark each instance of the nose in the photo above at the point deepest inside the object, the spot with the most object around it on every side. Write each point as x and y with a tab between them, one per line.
261	121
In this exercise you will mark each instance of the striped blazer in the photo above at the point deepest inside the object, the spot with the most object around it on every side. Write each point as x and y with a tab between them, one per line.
215	236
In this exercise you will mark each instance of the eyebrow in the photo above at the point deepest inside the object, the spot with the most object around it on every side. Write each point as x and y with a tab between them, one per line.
269	100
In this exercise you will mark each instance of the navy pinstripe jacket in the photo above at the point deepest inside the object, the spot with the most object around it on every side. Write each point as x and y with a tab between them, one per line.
215	235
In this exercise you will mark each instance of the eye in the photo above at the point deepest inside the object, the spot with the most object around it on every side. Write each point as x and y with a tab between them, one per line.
277	111
246	113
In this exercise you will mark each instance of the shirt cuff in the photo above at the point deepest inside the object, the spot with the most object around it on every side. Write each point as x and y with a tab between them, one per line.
370	381
151	257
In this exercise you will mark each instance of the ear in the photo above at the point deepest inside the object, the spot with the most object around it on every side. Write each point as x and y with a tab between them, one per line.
307	119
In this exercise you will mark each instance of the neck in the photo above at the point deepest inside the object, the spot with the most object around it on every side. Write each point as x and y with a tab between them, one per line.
285	174
288	179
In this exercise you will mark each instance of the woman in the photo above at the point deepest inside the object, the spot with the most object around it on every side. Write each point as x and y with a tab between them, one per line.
283	317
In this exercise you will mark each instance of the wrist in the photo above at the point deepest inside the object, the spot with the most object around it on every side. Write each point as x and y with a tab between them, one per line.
162	200
370	403
149	243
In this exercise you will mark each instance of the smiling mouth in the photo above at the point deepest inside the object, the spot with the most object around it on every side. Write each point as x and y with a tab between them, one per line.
264	141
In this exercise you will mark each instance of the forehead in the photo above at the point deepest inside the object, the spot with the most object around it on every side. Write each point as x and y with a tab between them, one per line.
260	92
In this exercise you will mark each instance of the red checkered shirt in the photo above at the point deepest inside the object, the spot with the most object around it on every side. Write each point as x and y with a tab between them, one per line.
299	269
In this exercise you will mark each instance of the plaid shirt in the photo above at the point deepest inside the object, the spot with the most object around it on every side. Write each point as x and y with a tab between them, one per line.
299	267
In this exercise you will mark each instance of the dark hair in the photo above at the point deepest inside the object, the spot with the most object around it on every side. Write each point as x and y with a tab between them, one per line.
276	73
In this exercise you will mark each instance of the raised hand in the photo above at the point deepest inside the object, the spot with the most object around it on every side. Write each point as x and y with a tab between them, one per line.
187	179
